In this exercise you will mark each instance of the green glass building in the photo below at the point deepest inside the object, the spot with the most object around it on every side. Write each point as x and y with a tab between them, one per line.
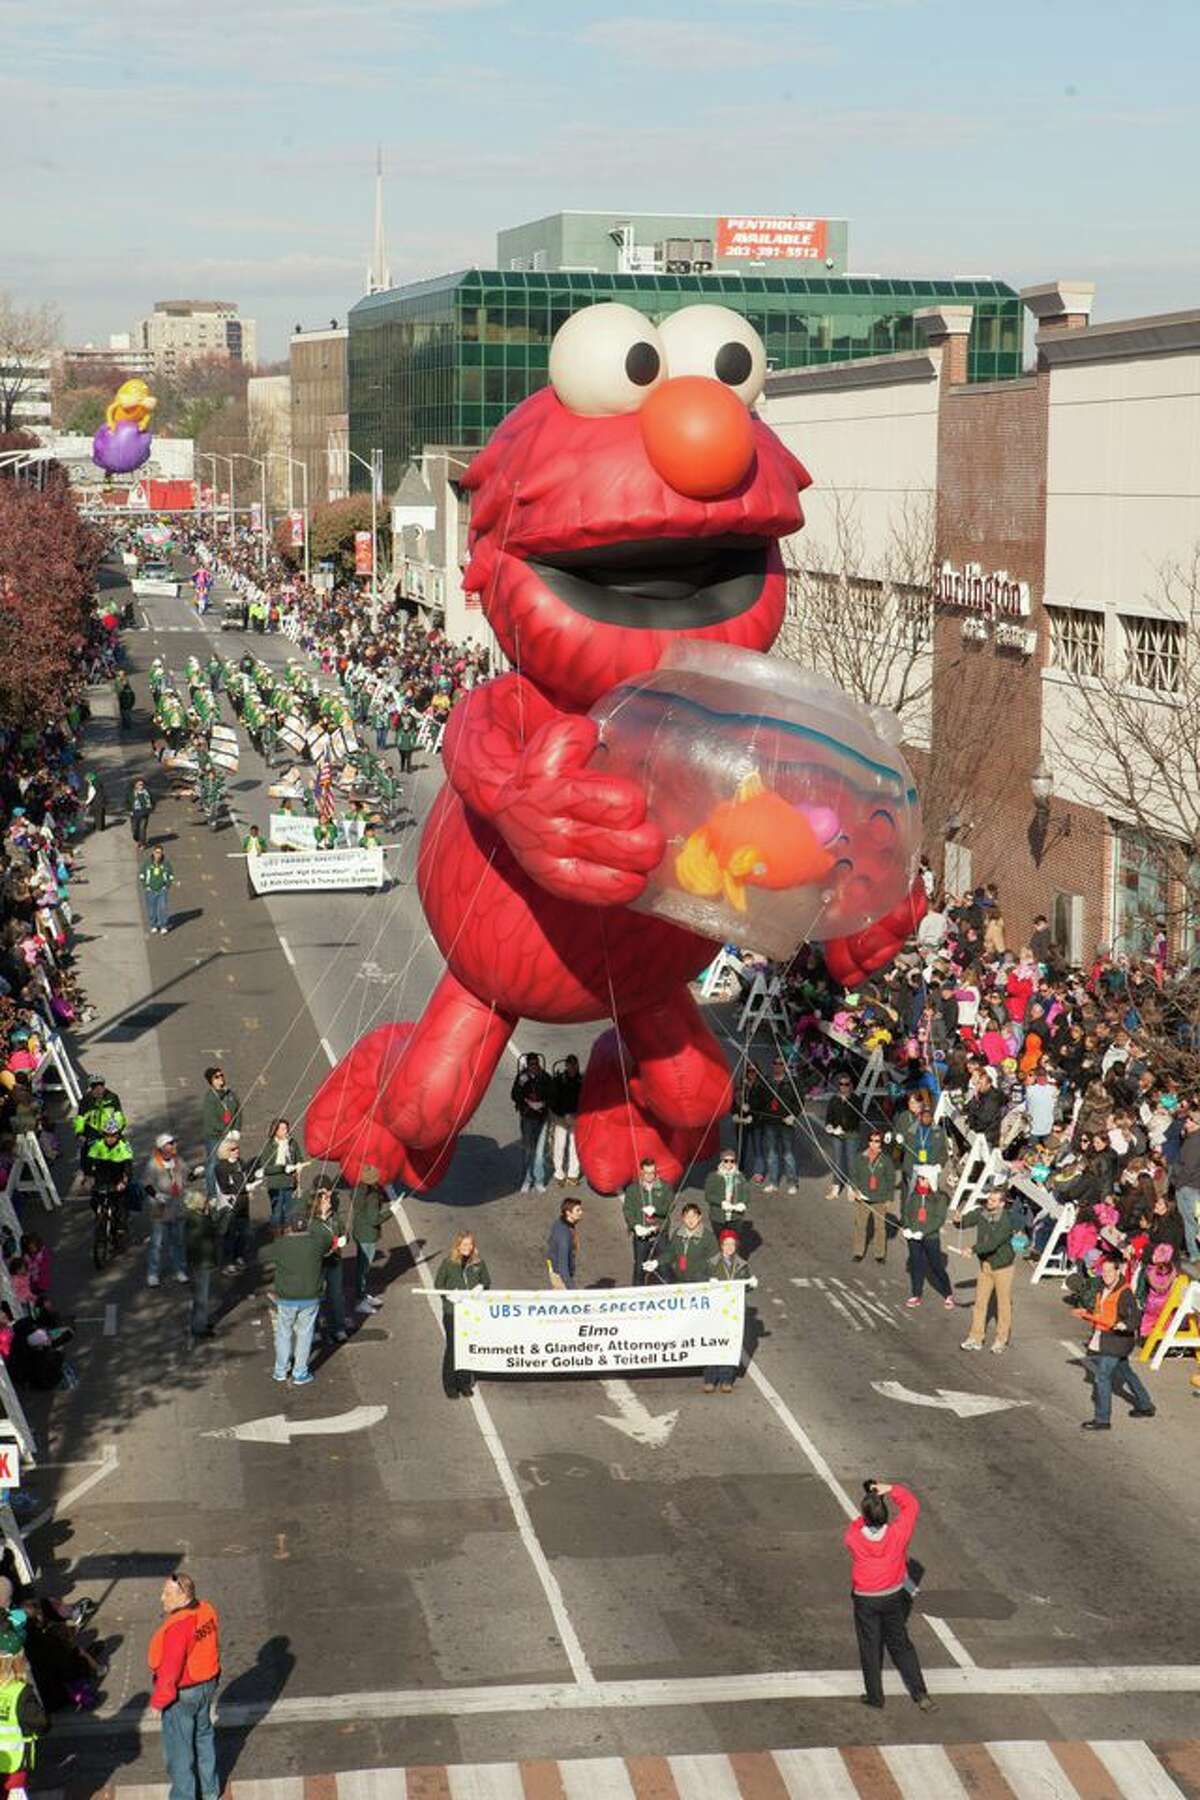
442	361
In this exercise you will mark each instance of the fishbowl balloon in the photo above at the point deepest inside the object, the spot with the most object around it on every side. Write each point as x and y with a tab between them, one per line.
788	810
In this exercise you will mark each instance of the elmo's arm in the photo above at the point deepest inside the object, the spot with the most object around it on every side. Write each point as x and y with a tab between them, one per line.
522	765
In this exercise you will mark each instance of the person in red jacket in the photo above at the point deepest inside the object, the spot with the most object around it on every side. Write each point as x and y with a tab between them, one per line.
185	1660
878	1546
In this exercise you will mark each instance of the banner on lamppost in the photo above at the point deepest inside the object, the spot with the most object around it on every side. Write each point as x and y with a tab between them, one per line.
364	562
256	515
599	1331
296	522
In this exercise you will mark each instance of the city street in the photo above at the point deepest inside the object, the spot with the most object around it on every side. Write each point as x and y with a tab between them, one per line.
559	1569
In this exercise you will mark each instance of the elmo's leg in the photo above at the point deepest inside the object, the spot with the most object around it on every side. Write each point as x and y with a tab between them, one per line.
666	1104
401	1097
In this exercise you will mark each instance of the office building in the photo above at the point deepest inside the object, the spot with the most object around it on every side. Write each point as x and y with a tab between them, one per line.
179	332
1036	523
442	361
317	361
269	424
602	243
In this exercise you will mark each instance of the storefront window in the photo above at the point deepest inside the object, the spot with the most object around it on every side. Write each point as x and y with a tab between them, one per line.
1140	891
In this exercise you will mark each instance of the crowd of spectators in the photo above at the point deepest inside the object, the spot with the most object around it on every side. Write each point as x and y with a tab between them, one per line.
1078	1089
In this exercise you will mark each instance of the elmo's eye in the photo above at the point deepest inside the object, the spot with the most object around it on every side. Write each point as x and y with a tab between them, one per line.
605	360
713	341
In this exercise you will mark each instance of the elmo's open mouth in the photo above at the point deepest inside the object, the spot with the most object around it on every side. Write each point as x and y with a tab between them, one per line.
659	584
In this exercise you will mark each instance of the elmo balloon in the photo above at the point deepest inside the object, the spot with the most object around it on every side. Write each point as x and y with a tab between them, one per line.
634	501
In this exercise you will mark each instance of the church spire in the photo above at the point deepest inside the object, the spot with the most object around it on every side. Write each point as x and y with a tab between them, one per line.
379	276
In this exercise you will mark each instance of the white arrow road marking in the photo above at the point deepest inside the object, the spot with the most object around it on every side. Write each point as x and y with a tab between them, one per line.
966	1406
636	1420
280	1430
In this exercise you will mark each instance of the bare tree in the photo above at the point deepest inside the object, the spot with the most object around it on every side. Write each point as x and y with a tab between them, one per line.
27	336
1129	736
868	623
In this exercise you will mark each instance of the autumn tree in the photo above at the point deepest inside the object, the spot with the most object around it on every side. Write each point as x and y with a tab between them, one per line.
334	524
49	559
27	336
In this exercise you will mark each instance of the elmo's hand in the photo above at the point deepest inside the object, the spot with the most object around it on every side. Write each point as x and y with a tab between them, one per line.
851	959
579	833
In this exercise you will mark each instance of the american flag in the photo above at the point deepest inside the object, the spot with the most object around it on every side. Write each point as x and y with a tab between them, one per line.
323	792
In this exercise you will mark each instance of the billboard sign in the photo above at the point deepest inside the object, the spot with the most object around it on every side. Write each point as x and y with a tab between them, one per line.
753	238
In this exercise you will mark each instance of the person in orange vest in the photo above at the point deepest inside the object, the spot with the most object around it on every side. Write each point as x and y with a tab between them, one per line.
1114	1314
185	1660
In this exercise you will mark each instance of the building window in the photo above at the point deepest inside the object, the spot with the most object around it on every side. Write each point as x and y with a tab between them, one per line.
1076	640
1140	890
1153	653
914	613
1067	927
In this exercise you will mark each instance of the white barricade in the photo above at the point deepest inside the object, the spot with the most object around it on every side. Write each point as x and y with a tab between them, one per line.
1054	1259
31	1172
763	1002
720	970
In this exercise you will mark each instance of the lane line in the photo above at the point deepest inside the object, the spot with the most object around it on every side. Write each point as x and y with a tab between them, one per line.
1083	1681
958	1651
110	1319
287	950
568	1636
796	1431
107	1465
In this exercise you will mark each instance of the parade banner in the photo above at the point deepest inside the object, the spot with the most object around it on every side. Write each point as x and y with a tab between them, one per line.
296	527
292	833
302	872
599	1331
363	558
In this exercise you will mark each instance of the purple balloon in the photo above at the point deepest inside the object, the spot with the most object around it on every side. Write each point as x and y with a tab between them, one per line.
121	448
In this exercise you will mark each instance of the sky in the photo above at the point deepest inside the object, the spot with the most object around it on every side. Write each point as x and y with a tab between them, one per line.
226	148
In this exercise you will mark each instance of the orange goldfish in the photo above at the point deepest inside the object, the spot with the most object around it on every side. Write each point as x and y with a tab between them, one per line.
757	839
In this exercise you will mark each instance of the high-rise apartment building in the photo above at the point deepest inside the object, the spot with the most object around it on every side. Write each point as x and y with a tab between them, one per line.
317	360
178	332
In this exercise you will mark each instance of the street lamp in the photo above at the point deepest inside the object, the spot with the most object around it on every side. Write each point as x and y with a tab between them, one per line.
260	464
216	456
210	456
298	462
375	467
1041	786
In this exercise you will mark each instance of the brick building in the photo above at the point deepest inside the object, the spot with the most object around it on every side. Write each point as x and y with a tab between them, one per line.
983	556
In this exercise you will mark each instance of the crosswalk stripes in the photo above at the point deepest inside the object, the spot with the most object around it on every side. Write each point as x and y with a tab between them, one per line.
1100	1769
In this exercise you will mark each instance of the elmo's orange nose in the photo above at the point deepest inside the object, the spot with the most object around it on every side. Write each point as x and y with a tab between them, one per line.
698	436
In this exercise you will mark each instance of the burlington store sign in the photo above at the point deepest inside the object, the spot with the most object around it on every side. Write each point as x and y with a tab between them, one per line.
990	603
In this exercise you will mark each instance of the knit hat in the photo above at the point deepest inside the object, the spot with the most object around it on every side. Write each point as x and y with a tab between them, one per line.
724	1235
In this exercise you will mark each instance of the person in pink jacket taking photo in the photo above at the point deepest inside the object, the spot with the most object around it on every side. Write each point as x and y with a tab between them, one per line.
881	1584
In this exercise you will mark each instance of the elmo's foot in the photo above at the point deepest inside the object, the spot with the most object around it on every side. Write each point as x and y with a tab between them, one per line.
345	1122
615	1130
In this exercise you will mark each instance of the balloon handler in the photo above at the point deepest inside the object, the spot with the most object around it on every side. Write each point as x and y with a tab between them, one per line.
634	503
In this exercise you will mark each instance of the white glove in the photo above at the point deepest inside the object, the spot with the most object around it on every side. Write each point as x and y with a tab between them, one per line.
790	1119
911	1234
752	1281
650	1266
643	1231
737	1206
